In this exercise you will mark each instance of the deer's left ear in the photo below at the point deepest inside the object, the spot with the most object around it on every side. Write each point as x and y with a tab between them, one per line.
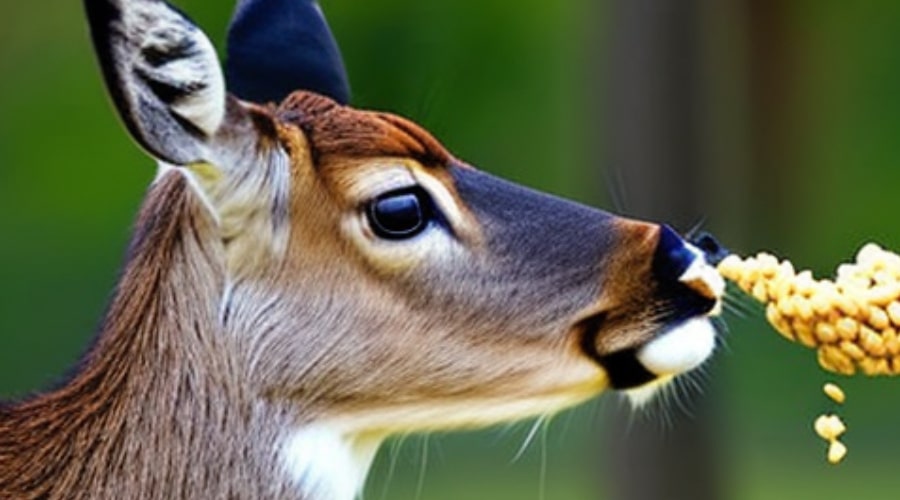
163	74
278	46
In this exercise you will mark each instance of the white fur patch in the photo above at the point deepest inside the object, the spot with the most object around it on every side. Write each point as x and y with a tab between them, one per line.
323	463
167	31
680	349
703	277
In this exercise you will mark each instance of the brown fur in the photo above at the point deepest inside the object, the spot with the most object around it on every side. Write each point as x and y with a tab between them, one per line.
151	400
343	131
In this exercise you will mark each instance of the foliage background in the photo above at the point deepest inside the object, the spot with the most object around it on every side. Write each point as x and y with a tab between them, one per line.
504	85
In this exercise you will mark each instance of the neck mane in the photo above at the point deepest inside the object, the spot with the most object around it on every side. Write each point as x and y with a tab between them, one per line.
152	411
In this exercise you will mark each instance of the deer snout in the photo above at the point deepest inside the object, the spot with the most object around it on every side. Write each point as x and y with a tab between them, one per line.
693	289
661	326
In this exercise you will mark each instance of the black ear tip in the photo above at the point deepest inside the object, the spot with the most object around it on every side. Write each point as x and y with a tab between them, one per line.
276	47
710	246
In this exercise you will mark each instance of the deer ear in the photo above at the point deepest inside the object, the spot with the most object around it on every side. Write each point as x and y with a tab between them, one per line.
163	75
278	46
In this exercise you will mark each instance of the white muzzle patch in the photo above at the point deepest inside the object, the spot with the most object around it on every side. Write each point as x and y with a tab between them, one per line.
688	344
681	349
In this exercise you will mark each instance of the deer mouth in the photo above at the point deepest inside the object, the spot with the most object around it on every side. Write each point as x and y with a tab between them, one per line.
689	291
673	349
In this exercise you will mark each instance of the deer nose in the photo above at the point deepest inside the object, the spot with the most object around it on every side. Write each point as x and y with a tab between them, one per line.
673	256
677	260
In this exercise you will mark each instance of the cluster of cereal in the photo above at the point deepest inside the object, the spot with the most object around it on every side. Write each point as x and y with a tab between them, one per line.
853	320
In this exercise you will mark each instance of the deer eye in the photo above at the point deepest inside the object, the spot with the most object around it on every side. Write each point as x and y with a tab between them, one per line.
400	214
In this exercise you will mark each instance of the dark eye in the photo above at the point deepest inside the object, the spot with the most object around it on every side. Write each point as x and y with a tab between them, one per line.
400	214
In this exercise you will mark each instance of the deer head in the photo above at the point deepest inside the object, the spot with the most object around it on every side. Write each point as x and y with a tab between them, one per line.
307	279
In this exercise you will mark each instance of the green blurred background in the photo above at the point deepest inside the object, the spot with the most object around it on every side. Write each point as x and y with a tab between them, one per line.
790	112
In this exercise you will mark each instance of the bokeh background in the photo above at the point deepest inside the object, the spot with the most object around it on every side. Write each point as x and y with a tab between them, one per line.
774	124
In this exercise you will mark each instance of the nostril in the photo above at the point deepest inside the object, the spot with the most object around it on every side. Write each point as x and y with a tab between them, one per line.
710	246
681	267
673	256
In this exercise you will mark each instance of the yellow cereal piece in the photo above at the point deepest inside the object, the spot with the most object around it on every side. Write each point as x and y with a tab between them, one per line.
872	342
829	427
878	318
893	310
759	291
847	328
834	392
836	452
891	342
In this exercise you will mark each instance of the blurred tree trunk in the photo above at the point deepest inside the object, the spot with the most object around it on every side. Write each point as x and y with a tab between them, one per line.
777	128
658	120
695	119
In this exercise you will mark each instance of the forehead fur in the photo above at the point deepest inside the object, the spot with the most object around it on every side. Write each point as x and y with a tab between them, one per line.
334	130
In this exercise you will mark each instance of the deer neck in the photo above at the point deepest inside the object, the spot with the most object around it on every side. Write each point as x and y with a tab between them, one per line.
153	411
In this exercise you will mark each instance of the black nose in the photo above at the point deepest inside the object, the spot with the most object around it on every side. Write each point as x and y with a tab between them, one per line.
710	246
672	257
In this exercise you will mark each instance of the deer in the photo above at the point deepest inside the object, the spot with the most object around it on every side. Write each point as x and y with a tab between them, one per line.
307	279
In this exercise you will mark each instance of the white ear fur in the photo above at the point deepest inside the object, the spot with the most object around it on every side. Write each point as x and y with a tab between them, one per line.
163	74
204	107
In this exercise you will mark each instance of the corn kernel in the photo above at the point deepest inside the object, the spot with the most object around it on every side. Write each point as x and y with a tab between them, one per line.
836	452
805	284
895	365
786	306
804	309
759	291
893	310
870	252
852	350
835	393
833	359
891	342
847	328
883	293
826	333
871	342
869	367
878	318
829	427
804	334
846	304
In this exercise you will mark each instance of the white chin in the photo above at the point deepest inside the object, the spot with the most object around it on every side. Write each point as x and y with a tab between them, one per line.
681	349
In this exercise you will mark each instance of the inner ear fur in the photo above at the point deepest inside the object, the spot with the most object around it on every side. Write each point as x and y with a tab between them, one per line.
163	75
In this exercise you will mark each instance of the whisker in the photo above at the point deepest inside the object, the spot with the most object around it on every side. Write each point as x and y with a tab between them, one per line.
528	439
429	99
735	309
542	492
396	446
423	468
689	235
741	304
615	186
